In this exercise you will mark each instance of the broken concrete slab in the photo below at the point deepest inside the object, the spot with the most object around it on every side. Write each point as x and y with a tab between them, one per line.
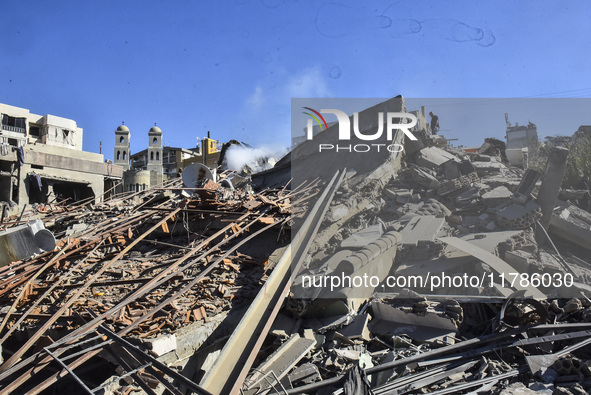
485	168
280	362
450	186
421	229
490	240
428	207
363	237
305	374
468	197
357	329
162	344
572	230
526	186
496	263
518	216
433	157
424	178
496	196
520	260
421	328
451	169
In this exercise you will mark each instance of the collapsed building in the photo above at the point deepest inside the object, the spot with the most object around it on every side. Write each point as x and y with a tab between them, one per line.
201	289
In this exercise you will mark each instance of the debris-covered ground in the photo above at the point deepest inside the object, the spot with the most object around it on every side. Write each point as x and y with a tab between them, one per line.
482	282
161	268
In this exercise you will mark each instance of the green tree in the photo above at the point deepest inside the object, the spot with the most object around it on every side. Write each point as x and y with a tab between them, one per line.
578	169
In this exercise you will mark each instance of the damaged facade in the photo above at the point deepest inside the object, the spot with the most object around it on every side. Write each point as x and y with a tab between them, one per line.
42	161
433	270
522	141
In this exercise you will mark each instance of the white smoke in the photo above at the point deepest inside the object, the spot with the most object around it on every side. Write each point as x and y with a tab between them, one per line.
258	159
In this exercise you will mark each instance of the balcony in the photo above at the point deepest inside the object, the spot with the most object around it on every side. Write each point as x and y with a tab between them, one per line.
14	129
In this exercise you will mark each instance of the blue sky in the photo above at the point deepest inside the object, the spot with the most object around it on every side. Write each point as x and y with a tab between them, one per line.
232	69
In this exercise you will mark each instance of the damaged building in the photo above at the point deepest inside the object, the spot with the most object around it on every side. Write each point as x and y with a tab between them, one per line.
42	161
522	141
425	270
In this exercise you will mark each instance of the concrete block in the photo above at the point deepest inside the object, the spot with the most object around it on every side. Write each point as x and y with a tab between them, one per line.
363	237
518	216
520	260
357	329
571	229
424	178
484	168
421	229
433	157
451	170
496	196
162	344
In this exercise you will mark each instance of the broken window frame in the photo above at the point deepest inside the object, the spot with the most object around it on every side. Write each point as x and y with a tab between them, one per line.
68	136
14	124
34	127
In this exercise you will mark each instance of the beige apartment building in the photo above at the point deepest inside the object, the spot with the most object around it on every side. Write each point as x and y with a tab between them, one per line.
41	160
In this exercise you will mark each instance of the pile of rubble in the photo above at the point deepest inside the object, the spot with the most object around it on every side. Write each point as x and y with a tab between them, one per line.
163	267
433	213
474	277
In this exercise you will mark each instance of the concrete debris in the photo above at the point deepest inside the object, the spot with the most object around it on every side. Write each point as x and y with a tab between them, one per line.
305	374
456	184
518	216
439	269
526	186
166	267
565	226
496	196
429	327
433	158
280	362
364	237
357	329
421	230
486	168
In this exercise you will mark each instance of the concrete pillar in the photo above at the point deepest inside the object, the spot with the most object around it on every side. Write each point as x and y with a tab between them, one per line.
548	194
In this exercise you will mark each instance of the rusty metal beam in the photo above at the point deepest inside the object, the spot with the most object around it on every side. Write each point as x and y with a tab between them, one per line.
61	279
197	279
139	353
29	283
157	280
238	354
136	377
19	353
